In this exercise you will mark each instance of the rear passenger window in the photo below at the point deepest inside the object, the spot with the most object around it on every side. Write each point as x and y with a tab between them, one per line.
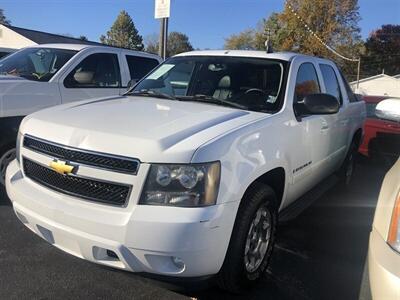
306	82
100	70
331	82
140	66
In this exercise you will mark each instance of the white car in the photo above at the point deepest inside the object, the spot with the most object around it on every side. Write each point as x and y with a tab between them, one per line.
41	76
186	174
384	241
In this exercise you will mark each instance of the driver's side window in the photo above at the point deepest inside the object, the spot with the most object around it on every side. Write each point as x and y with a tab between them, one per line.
99	70
306	82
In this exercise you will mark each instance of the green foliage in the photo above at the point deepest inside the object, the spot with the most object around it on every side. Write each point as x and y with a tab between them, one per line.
177	43
123	33
3	19
382	51
334	21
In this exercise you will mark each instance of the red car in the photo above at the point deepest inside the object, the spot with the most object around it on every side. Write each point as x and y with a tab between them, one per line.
381	137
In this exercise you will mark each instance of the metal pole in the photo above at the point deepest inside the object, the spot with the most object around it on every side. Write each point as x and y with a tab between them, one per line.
358	72
165	43
161	39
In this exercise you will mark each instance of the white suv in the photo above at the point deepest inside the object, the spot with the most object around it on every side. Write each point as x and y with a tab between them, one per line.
186	174
47	75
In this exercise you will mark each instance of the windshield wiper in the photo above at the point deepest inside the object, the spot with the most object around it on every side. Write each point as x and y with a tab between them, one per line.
210	99
151	93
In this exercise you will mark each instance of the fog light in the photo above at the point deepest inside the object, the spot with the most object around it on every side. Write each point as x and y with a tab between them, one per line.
178	262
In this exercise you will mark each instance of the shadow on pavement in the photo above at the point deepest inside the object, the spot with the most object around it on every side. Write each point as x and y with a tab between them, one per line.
322	253
3	197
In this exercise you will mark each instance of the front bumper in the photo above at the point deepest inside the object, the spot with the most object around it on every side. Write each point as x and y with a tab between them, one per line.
384	268
144	238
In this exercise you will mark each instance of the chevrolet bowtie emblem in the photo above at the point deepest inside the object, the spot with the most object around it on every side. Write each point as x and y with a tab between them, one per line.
61	167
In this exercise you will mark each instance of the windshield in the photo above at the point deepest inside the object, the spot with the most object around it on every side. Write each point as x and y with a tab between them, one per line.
38	64
247	83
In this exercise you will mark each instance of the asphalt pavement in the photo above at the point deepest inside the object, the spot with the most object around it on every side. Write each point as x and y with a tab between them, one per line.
319	254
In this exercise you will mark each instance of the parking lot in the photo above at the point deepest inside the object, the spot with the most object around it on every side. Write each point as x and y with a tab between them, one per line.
320	254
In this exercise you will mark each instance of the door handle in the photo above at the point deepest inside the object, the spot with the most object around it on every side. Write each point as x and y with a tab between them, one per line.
325	126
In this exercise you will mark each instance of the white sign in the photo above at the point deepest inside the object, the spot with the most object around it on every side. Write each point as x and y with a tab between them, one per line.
162	9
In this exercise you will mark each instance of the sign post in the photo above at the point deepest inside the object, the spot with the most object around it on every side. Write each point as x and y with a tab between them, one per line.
162	12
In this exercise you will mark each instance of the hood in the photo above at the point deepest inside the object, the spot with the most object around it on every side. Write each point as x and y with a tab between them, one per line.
152	130
9	78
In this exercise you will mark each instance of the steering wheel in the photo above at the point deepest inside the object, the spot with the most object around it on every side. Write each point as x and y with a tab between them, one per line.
255	90
258	101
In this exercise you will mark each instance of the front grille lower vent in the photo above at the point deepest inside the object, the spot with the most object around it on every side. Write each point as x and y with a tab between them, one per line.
89	189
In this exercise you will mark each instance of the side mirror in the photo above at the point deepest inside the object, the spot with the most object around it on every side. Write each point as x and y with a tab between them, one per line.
388	109
131	83
319	104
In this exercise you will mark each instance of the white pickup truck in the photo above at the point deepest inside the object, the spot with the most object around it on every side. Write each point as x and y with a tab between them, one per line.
186	174
47	75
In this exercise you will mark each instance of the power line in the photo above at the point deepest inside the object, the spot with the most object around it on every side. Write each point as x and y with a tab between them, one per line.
318	38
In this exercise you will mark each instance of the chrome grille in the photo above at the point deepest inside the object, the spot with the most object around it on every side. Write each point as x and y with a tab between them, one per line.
100	160
89	189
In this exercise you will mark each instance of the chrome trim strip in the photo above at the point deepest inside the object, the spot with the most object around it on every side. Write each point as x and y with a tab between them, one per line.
135	160
80	197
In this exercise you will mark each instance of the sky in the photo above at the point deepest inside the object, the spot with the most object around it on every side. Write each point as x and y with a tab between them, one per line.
206	22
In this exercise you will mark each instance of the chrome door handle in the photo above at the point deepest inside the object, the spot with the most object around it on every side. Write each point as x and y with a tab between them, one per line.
325	126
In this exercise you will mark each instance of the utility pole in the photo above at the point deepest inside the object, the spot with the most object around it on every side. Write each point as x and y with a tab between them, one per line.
162	12
358	72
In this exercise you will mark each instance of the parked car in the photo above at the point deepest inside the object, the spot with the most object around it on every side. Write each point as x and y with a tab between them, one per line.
382	137
5	51
384	242
186	174
47	75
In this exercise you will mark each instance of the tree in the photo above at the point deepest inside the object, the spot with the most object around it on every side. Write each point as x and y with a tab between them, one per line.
244	40
334	21
83	38
178	42
123	33
3	19
382	51
151	42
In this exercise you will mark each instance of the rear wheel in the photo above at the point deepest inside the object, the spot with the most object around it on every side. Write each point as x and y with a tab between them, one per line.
6	157
252	239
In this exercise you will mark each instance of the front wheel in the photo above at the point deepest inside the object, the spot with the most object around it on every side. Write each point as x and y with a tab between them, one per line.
5	159
252	239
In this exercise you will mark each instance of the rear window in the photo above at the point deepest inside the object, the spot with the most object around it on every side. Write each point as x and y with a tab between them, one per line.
139	66
331	82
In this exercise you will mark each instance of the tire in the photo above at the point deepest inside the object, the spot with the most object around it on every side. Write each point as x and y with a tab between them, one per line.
346	171
7	155
238	272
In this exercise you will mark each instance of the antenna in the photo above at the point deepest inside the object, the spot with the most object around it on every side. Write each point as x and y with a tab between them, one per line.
268	44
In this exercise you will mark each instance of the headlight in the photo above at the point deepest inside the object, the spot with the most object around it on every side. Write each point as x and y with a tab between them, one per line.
18	147
394	229
187	185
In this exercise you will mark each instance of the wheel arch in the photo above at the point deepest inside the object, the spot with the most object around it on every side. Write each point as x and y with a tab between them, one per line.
275	179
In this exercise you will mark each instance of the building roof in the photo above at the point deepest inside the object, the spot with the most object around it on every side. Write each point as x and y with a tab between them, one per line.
40	37
375	77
